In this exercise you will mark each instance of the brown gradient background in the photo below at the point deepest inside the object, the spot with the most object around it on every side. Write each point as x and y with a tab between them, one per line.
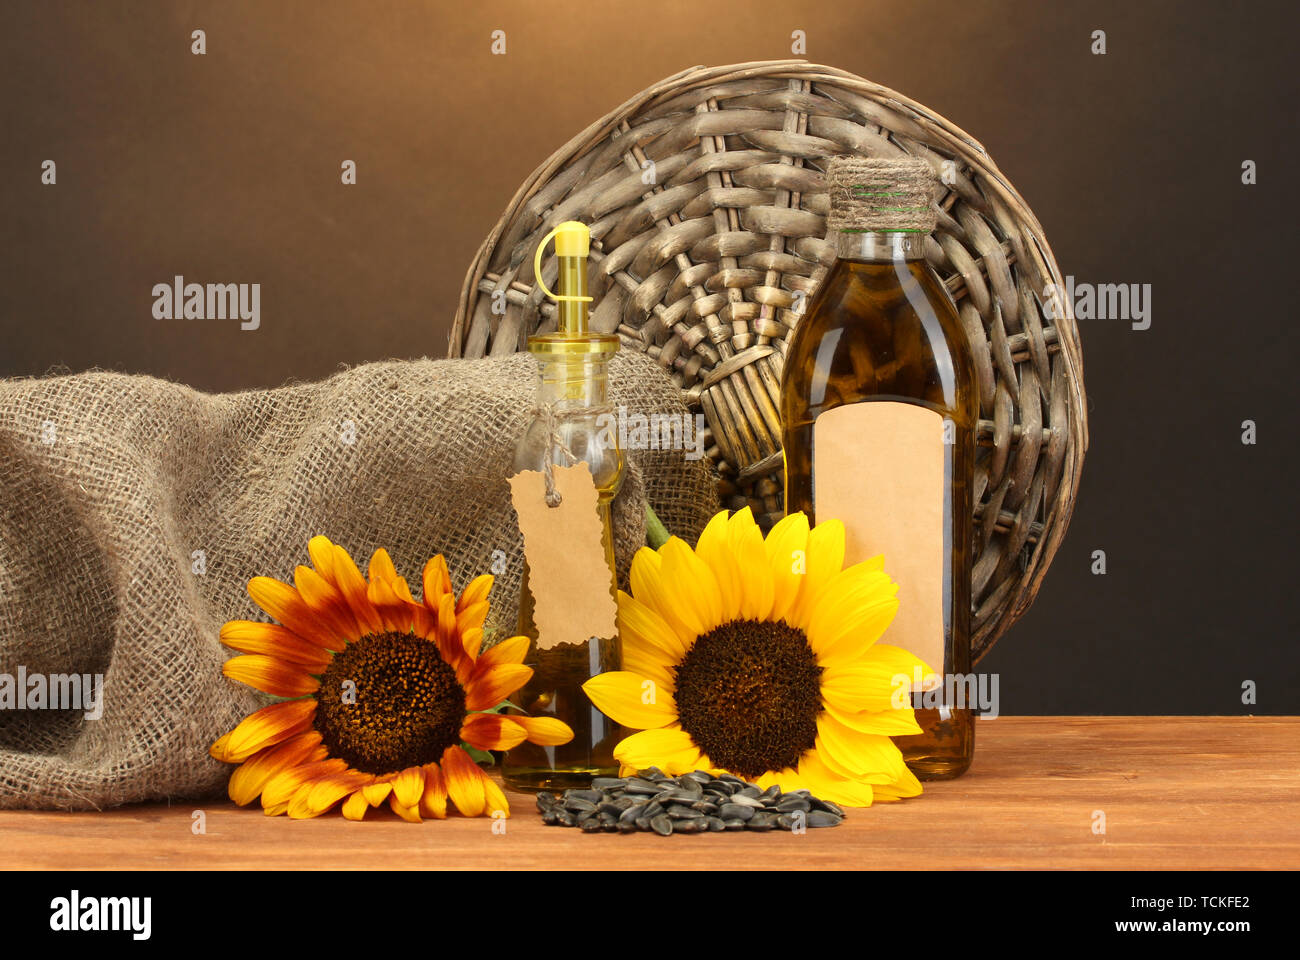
225	168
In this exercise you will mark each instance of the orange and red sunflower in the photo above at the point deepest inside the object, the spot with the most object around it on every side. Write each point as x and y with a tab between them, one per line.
384	689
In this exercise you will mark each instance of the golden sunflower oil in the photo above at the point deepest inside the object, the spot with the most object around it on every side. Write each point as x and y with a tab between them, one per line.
572	399
879	406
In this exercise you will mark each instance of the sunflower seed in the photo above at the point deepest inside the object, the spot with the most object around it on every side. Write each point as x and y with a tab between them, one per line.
545	799
630	815
637	785
734	824
590	825
690	826
579	805
653	809
791	804
745	800
735	811
566	818
749	790
785	822
716	825
699	776
820	818
771	793
642	823
826	806
607	783
661	825
705	807
625	826
550	817
591	796
681	812
761	822
609	806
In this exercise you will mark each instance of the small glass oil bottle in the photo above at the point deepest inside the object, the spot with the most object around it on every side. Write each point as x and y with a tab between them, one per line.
572	397
880	373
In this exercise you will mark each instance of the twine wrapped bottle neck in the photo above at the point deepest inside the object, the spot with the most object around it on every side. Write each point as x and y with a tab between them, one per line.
881	209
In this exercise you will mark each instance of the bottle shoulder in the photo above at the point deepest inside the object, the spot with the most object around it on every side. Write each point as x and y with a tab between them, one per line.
880	331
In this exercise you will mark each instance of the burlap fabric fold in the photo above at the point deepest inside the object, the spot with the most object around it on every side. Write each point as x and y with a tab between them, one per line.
133	512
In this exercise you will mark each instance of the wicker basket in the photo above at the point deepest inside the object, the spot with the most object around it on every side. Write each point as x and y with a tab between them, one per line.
707	207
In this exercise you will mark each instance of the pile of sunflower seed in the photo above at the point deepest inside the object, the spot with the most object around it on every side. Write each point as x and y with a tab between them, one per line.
696	802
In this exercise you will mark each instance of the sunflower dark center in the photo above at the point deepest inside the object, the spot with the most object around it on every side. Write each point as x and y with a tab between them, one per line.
749	694
389	701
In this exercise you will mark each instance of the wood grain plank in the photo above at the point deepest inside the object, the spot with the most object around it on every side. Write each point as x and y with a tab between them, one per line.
1177	792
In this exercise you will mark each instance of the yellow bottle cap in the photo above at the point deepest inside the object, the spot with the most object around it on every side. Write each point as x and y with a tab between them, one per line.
572	338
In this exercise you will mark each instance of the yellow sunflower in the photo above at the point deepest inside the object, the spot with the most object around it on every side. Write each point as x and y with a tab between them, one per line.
386	689
759	658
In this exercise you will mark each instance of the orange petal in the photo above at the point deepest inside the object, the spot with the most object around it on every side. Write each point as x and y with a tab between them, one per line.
282	787
434	802
270	675
477	592
491	731
353	587
250	636
471	641
392	609
408	786
285	604
247	781
327	602
512	650
449	642
494	800
472	616
314	798
267	727
464	781
489	687
436	582
381	566
409	814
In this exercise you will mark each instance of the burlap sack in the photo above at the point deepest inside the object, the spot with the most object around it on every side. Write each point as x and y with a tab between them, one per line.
133	512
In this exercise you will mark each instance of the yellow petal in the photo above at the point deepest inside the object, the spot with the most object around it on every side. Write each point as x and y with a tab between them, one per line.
285	604
905	785
696	593
667	748
714	548
857	756
851	614
652	588
825	558
755	571
872	681
327	603
631	699
641	625
787	553
377	792
886	723
545	731
829	786
355	806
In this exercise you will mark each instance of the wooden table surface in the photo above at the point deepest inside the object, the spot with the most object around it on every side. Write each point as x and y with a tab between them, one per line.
1175	792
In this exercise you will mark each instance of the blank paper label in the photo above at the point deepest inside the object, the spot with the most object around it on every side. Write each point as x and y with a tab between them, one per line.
878	467
563	545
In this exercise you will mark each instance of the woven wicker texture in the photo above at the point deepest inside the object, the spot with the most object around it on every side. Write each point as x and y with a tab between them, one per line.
707	202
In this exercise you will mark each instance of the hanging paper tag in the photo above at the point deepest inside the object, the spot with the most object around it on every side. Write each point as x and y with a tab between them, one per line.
567	572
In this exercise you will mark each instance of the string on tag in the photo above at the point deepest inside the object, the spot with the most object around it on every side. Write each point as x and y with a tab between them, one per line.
545	412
